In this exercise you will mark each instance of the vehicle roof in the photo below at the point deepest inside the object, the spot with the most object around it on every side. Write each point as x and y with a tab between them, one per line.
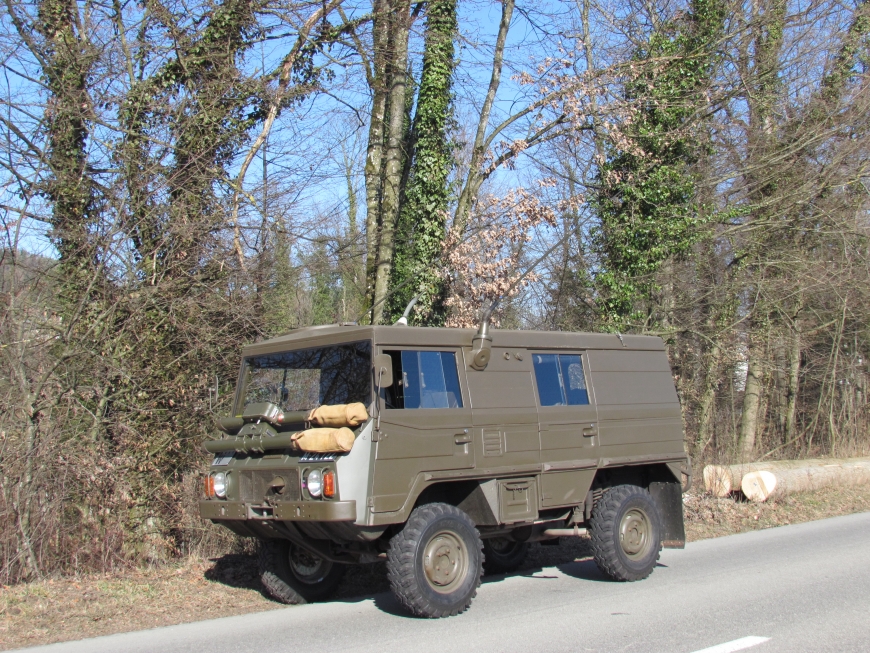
401	336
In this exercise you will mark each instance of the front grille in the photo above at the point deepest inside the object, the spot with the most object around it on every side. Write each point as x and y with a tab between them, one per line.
254	483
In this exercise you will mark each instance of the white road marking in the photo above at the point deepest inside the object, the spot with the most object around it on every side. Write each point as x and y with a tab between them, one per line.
735	645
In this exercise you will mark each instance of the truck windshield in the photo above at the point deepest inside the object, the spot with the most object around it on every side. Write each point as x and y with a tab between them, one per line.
307	378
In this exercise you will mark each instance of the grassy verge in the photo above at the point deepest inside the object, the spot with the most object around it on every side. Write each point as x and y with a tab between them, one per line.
73	608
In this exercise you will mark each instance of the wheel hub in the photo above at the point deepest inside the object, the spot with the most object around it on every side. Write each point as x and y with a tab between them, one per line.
634	533
445	562
307	567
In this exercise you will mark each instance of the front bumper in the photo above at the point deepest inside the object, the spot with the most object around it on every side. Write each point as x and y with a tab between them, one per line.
281	511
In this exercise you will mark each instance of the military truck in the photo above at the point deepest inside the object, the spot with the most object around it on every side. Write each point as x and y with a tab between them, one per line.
463	447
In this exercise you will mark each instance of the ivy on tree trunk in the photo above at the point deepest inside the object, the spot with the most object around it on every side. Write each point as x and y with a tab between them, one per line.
646	196
67	59
422	221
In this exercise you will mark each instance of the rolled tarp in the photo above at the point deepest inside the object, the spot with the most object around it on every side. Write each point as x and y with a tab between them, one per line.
339	415
324	440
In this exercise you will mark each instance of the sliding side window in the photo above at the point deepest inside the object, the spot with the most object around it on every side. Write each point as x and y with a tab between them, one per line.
560	379
424	379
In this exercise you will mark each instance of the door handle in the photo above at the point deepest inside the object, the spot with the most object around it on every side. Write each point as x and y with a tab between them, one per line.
462	437
590	430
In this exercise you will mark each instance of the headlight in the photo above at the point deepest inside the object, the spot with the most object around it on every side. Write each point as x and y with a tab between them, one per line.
315	483
220	485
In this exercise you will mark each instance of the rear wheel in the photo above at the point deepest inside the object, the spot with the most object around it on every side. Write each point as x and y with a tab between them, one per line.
293	575
503	555
626	533
435	562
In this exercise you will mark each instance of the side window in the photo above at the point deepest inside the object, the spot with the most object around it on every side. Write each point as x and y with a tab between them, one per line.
560	379
424	379
573	380
548	379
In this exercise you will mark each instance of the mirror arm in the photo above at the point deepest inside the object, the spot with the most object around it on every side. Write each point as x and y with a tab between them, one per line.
481	344
381	371
403	321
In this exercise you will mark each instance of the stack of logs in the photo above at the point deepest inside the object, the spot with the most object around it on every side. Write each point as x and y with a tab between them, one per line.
760	481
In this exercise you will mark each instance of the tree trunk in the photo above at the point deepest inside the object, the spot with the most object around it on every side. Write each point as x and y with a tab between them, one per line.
24	502
421	226
708	397
794	369
767	37
751	403
67	61
375	150
478	152
393	156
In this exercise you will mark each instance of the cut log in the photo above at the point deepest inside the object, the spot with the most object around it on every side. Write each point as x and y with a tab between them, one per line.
721	480
718	480
757	486
761	485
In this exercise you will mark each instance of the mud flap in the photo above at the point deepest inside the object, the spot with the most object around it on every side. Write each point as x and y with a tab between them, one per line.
669	498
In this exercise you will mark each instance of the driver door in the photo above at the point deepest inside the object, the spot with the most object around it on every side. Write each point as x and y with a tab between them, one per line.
425	423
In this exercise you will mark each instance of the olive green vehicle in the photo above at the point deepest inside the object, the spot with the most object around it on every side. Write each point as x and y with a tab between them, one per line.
476	444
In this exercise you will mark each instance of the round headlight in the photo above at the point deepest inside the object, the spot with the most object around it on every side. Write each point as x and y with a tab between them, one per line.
315	483
220	484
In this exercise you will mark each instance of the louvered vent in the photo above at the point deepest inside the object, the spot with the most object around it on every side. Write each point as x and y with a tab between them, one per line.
493	443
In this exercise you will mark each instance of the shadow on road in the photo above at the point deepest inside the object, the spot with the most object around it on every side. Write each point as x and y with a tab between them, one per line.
572	557
583	570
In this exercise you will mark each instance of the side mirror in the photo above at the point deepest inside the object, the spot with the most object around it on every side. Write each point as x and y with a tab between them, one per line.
383	370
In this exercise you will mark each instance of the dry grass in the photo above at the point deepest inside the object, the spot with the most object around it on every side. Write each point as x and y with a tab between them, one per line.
72	608
707	516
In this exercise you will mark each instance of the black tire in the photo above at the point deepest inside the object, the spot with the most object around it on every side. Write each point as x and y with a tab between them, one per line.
503	555
626	533
292	575
435	562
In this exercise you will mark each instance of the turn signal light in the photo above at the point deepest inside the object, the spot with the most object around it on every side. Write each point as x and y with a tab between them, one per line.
209	487
329	484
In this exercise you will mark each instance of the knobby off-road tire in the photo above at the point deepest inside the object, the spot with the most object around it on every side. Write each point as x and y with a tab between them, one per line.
293	575
626	533
503	555
435	562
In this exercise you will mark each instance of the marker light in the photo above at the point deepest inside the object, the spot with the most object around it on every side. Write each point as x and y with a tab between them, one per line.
328	483
209	487
220	484
315	483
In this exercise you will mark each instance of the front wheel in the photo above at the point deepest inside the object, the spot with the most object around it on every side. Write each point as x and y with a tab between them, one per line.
626	533
435	562
293	575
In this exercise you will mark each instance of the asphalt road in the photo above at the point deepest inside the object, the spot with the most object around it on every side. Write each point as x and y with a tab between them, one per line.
791	589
